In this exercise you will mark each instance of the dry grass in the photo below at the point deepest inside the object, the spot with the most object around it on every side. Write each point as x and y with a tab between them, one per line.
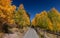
1	35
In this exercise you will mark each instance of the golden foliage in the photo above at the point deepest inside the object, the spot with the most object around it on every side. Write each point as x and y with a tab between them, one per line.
50	20
7	10
21	17
55	18
47	20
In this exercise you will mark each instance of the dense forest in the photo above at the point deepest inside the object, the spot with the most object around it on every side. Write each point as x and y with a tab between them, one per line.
13	17
19	18
48	20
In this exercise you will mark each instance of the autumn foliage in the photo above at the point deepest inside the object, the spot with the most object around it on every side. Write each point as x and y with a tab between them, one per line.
6	11
48	20
21	17
11	16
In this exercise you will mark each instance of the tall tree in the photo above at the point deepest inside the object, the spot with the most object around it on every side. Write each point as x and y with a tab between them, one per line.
6	10
54	16
42	21
21	16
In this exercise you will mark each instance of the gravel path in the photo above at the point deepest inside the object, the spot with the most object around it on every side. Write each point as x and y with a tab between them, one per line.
31	33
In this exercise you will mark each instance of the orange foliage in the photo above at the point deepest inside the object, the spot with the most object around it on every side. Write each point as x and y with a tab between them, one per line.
7	10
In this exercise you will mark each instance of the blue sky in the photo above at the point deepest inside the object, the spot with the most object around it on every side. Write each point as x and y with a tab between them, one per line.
36	6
